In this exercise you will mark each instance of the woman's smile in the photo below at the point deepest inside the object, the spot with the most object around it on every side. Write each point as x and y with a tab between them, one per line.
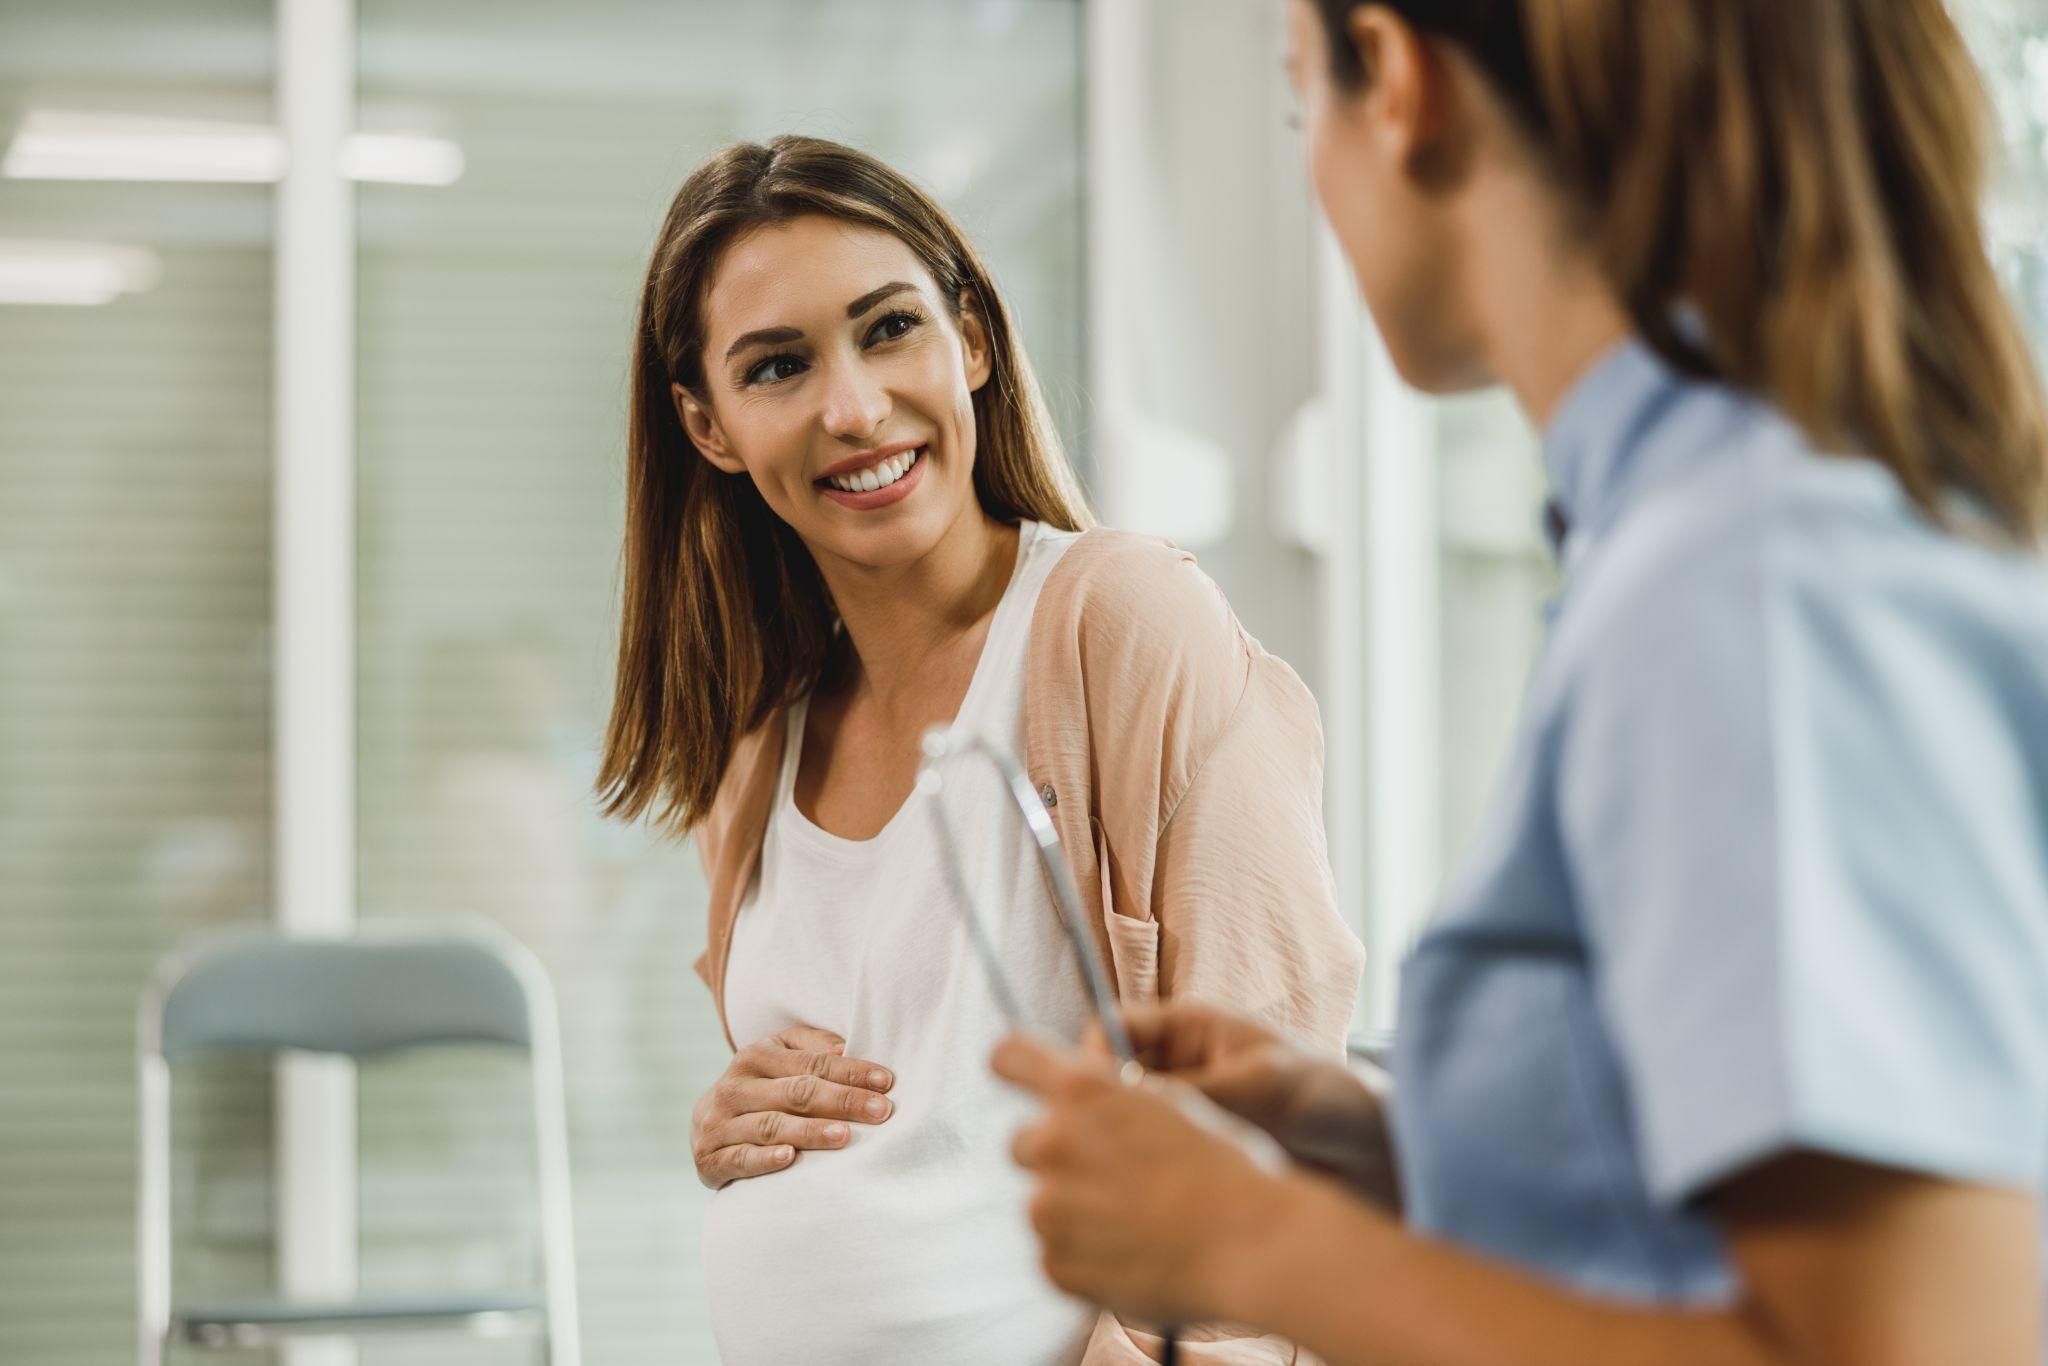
876	479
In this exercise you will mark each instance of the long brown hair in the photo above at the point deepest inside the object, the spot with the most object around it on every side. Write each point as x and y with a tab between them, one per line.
1805	176
725	617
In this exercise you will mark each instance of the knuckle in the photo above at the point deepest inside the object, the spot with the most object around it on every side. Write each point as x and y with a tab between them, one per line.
767	1127
1060	1271
1076	1086
817	1064
803	1092
1043	1219
1048	1145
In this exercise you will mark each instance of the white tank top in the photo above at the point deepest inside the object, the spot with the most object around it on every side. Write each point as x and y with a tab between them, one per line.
910	1246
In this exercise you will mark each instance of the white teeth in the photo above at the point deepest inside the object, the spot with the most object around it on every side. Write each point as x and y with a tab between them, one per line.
877	476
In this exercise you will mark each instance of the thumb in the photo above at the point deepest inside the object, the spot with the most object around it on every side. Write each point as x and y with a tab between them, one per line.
1248	1084
1035	1066
806	1039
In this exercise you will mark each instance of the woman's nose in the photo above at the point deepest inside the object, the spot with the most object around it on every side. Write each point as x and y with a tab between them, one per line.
855	405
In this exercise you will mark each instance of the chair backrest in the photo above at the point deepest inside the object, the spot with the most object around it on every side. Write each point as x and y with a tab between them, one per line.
359	996
383	988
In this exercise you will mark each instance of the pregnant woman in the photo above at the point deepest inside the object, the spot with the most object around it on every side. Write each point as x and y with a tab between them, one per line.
849	520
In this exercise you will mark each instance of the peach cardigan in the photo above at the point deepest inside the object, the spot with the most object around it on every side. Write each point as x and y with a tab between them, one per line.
1183	767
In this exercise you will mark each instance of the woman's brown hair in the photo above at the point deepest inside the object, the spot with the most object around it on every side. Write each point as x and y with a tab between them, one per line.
725	618
1804	177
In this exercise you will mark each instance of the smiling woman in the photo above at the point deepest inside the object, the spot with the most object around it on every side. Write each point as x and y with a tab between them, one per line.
836	363
752	215
848	521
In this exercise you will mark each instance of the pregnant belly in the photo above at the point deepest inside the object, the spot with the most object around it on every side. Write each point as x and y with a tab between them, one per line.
897	1251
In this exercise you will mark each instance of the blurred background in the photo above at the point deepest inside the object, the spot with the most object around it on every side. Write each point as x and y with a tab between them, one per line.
313	326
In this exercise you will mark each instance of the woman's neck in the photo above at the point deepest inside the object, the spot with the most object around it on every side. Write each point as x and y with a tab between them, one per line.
899	618
1544	308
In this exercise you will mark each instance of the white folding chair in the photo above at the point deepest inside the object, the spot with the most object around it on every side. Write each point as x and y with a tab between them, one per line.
375	993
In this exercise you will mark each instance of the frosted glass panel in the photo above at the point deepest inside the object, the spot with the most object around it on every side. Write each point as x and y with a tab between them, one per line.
495	316
134	659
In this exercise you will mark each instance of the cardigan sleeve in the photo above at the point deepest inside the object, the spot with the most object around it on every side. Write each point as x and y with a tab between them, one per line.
1241	885
1206	755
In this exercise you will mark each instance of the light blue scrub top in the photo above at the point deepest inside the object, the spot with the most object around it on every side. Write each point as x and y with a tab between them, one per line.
1769	868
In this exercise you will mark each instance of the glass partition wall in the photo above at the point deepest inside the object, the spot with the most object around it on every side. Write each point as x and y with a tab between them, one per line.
494	314
493	188
135	613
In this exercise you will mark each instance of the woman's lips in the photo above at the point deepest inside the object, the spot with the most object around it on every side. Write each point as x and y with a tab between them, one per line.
869	500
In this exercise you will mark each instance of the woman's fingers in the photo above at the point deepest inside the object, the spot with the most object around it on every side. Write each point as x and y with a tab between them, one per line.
806	1039
777	1059
1045	1071
739	1161
1112	1168
779	1129
806	1094
1023	1061
1184	1037
1253	1083
790	1092
783	1062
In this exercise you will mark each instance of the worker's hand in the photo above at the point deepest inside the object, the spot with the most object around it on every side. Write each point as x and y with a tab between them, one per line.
1325	1115
1137	1207
789	1092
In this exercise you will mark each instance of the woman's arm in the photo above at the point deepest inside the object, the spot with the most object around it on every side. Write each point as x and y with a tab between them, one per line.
1241	883
1843	1264
1854	1263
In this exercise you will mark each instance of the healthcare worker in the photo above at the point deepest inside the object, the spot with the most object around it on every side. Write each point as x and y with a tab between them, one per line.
1730	1042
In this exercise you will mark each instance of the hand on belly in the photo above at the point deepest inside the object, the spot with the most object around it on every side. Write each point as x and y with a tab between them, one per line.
792	1091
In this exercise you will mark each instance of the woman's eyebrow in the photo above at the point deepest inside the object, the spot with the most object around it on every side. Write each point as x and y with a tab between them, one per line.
875	296
776	336
766	336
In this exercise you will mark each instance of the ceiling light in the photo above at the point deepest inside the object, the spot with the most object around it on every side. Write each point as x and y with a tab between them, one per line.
50	272
55	144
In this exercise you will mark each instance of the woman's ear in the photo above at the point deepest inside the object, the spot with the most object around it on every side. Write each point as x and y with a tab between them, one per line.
700	424
974	345
1407	90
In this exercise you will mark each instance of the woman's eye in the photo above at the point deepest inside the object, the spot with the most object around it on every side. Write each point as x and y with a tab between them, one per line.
775	368
894	326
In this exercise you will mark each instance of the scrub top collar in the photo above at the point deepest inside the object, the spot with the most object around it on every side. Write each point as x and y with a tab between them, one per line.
1588	444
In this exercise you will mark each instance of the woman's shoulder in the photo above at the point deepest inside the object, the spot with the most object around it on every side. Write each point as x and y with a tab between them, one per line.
1812	585
1130	593
1129	625
1787	535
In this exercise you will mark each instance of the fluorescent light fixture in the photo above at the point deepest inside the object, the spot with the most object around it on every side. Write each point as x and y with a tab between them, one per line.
401	159
80	273
56	144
